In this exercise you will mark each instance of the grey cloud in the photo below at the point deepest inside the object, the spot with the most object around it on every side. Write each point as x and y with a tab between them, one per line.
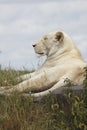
25	1
23	24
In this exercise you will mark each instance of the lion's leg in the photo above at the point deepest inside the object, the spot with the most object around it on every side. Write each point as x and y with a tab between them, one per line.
26	85
36	83
53	89
58	86
23	77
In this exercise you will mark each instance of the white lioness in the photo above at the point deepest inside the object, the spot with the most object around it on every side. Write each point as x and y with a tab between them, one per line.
63	61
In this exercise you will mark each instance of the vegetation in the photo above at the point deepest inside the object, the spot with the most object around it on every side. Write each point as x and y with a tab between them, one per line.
51	113
9	77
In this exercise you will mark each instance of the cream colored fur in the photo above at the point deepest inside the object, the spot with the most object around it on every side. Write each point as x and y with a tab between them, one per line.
63	61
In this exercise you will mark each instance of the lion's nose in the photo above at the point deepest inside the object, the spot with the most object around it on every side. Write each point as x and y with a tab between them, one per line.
34	45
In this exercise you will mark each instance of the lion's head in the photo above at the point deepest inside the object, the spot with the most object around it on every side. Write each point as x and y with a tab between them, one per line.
49	44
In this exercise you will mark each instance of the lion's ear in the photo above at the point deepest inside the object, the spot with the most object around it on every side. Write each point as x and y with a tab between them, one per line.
59	36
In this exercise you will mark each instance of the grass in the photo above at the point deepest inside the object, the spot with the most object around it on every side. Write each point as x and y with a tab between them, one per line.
22	113
8	77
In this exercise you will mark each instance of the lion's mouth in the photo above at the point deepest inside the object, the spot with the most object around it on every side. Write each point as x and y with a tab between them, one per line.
40	53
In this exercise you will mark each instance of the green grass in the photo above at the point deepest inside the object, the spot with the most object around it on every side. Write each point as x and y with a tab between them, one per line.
23	113
9	77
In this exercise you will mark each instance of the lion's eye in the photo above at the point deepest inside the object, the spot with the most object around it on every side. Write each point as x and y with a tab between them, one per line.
45	38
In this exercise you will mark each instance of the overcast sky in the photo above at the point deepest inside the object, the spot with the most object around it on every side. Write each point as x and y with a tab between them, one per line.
23	22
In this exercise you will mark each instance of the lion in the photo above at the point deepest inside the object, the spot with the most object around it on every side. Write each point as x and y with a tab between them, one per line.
63	61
